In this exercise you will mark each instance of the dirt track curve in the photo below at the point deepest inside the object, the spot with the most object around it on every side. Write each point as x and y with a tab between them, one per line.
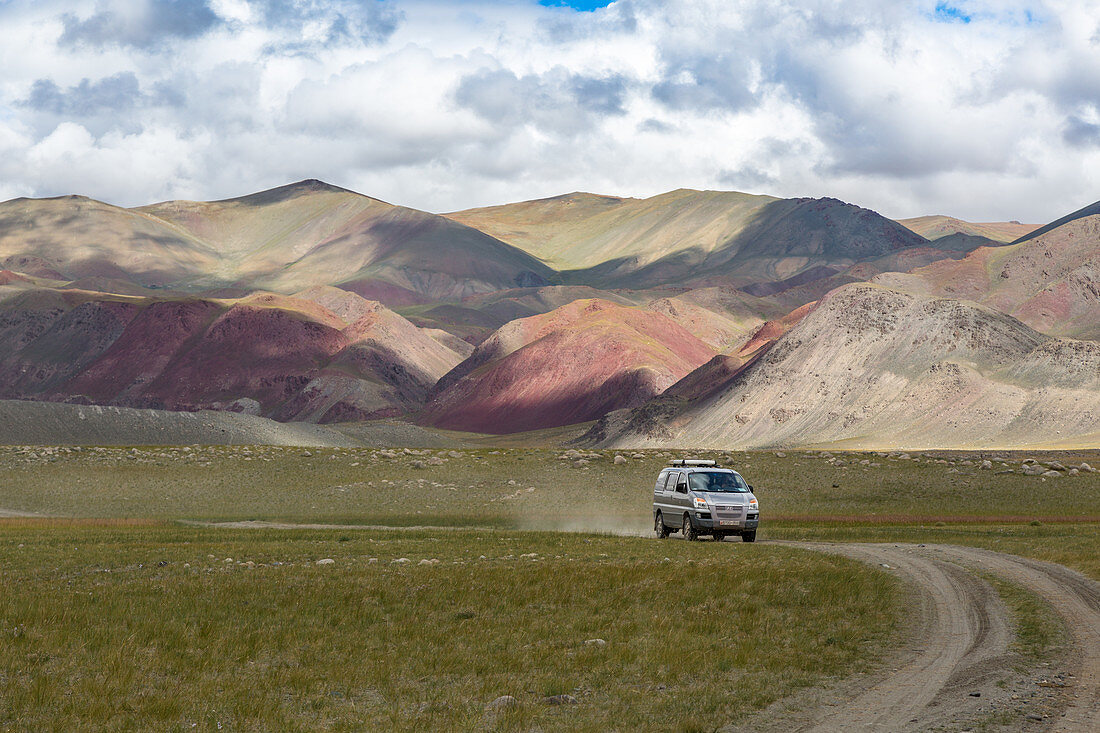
13	513
961	669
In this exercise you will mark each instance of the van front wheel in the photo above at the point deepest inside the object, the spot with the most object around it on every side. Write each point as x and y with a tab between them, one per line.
689	531
748	536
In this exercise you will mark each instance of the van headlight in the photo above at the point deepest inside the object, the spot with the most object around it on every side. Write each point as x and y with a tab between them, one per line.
753	504
700	503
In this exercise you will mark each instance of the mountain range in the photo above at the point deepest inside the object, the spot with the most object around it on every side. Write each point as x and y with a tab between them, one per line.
693	318
286	239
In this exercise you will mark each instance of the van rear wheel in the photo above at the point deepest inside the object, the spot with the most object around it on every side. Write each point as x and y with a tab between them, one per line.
659	527
689	531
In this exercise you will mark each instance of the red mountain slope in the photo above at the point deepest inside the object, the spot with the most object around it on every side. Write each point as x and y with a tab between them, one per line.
567	366
284	357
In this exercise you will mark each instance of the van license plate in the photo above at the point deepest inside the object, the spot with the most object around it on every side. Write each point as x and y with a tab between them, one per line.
727	522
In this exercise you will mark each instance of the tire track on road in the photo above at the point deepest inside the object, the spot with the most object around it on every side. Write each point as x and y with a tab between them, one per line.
1076	599
963	627
961	660
14	513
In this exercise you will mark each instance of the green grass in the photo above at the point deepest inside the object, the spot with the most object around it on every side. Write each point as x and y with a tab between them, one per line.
114	616
1039	631
152	628
487	487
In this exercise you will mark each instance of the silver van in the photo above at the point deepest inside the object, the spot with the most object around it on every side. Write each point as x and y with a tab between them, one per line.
697	497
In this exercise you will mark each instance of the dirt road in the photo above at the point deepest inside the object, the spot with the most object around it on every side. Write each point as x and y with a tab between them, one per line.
960	671
1077	600
9	513
260	524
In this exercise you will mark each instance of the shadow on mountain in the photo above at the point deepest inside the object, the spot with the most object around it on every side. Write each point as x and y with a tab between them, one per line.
285	193
782	240
1090	210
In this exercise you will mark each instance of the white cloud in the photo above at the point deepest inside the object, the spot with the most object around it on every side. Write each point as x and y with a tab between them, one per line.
144	166
137	23
982	109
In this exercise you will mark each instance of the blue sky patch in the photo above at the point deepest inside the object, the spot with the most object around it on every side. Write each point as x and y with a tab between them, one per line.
947	13
584	5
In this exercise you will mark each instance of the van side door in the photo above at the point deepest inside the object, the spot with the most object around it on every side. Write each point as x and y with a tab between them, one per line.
679	495
659	495
666	497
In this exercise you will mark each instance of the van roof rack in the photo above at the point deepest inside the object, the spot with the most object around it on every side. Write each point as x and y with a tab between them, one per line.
692	462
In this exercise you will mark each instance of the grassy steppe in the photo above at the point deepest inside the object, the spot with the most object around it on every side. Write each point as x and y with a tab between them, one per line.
524	488
156	628
113	616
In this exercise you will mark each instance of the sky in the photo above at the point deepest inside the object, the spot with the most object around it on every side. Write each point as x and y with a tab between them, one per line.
987	110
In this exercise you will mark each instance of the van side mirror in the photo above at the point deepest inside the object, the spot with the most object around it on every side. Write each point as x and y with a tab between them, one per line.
681	488
752	490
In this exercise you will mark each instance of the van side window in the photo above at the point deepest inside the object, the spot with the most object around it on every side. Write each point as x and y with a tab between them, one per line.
680	481
670	481
661	479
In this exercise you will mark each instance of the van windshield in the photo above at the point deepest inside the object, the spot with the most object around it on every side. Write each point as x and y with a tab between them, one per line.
717	481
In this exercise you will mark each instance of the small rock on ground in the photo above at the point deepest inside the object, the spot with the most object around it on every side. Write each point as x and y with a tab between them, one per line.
504	702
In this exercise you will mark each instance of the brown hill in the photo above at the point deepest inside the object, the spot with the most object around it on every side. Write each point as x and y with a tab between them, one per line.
1086	211
938	227
285	239
32	266
582	230
7	277
283	357
508	305
810	286
720	317
311	233
720	371
1050	282
76	237
570	365
872	367
694	238
783	240
475	317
